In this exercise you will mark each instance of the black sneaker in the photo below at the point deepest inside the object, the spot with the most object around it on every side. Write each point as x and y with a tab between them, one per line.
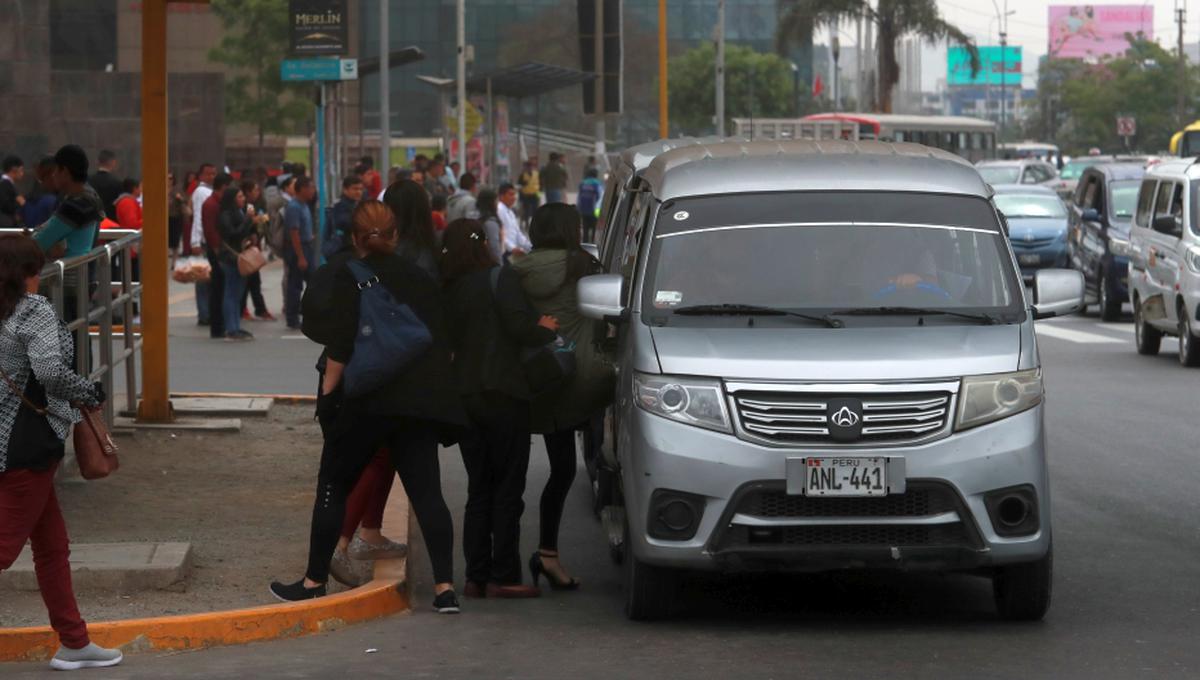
296	592
446	603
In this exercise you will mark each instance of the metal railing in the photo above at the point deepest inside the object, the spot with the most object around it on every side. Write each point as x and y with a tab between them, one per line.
69	281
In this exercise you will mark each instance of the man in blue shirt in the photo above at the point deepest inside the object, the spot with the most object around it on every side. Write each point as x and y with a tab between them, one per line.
299	254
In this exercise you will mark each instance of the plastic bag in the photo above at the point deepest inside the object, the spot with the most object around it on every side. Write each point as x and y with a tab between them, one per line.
192	269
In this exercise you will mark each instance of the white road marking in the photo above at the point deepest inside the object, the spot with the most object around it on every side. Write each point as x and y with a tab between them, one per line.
1118	327
293	337
1080	337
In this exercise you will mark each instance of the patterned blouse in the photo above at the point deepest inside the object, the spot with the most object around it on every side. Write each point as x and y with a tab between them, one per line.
34	340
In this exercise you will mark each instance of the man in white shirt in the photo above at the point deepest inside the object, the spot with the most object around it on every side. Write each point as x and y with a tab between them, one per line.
205	177
516	241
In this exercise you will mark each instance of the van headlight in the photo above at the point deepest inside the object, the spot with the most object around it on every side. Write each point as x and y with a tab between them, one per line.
1119	247
988	398
1193	260
693	401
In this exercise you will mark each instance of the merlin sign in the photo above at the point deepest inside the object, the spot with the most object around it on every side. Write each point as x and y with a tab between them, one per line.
319	27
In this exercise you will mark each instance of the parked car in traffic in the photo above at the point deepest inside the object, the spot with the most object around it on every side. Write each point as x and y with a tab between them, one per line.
823	371
1020	171
1164	267
1037	226
1101	212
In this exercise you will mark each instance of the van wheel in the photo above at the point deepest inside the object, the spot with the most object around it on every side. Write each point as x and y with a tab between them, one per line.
1022	591
1110	309
1189	350
1147	337
649	590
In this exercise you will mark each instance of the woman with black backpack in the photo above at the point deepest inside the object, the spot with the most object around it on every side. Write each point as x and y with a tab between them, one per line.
548	276
490	323
409	411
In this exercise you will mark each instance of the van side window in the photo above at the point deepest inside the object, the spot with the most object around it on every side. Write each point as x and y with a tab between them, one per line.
1162	201
1090	193
1145	204
639	214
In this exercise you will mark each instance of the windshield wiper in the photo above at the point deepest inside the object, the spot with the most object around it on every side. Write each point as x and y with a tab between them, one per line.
986	319
736	309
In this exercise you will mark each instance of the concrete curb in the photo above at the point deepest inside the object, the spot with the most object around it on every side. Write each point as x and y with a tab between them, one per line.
279	398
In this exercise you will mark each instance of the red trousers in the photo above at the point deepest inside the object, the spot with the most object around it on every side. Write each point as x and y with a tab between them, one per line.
29	512
366	503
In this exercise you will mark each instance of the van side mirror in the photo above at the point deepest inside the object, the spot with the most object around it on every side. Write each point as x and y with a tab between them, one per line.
1057	292
600	296
1167	224
591	249
1090	215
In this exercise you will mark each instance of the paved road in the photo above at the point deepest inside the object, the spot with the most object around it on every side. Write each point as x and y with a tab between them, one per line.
1125	470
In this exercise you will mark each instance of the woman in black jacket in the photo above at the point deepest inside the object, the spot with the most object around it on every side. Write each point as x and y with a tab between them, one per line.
490	322
410	414
236	226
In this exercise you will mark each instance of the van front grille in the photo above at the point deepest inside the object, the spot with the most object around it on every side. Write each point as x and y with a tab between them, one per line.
796	418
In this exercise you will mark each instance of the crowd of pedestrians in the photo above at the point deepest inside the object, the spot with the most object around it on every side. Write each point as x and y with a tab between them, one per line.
486	349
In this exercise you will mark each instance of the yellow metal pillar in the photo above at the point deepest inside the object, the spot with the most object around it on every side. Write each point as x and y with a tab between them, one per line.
663	121
155	405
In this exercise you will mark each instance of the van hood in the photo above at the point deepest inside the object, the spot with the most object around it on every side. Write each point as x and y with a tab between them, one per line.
839	354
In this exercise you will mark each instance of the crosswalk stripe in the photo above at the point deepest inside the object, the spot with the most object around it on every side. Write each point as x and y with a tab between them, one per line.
1081	337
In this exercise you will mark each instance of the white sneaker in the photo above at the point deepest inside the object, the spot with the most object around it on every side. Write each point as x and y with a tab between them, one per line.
389	550
92	656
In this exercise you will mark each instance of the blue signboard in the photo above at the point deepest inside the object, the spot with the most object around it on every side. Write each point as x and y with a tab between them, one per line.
318	68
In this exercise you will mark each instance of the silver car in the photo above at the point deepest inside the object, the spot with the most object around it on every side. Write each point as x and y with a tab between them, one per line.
826	361
1022	171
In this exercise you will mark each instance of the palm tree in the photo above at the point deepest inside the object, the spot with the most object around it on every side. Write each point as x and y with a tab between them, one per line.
893	19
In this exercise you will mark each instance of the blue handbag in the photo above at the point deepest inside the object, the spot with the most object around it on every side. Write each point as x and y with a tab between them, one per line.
390	336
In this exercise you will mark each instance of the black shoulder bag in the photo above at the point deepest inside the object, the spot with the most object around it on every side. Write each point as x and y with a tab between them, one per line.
33	444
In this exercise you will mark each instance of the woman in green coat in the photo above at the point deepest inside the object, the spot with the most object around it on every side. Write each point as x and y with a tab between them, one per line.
548	276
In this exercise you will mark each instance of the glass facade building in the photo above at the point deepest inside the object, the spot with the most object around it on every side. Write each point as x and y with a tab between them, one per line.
509	32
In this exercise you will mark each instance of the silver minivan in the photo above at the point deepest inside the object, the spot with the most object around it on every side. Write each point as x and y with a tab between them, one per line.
826	361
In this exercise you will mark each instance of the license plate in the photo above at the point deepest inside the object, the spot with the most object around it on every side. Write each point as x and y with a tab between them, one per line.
848	476
1029	259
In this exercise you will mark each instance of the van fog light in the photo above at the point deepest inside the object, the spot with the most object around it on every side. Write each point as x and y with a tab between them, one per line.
1013	510
674	515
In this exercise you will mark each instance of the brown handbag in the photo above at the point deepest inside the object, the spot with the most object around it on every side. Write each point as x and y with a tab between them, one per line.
95	450
250	260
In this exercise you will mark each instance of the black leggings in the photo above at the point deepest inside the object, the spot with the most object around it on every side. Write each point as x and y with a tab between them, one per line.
560	447
350	443
254	288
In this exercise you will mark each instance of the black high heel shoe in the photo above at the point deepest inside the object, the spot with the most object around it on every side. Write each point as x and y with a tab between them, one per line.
536	569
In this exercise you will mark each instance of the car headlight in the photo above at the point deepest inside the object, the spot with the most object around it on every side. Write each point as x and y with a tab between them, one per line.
1193	260
694	401
1119	247
988	398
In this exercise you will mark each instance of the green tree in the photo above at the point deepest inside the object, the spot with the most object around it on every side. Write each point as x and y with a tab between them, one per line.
1077	109
893	19
756	84
255	42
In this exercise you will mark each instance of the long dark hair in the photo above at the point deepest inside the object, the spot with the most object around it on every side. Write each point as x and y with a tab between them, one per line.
486	203
464	250
555	226
414	216
20	258
229	200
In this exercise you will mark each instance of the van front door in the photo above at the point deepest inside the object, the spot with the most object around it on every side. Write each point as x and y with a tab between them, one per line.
1163	260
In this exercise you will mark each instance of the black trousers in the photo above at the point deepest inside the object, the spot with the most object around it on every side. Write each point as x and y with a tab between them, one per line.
351	440
216	292
496	456
254	290
560	448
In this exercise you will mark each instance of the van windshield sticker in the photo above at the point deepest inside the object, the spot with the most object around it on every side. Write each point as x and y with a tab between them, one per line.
681	215
665	299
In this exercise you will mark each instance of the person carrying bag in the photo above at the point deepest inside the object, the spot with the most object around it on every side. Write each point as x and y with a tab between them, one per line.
36	414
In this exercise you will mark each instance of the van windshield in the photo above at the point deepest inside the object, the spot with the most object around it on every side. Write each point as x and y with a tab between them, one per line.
829	265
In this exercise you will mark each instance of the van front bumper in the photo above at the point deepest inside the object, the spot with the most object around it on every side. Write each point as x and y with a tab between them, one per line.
745	520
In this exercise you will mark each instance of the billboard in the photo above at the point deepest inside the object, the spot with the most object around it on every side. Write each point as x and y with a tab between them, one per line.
1092	31
997	66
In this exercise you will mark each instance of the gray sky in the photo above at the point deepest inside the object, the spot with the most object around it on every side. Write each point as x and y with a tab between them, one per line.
1027	28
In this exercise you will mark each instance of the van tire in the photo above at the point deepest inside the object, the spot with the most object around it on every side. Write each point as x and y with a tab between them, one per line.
1147	338
1022	591
1108	308
1189	348
649	590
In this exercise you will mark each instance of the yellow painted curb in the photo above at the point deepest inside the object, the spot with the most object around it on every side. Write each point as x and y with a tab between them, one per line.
378	598
281	398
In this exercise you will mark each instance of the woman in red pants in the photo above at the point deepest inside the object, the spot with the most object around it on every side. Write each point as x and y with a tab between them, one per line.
364	513
37	390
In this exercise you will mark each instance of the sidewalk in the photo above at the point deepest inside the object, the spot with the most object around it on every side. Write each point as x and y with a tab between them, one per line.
242	501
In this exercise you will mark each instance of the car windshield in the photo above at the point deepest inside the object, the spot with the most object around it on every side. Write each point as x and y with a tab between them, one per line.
1124	198
821	265
1074	169
1030	205
1000	174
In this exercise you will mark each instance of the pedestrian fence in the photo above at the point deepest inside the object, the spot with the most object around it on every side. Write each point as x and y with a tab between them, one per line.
89	292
